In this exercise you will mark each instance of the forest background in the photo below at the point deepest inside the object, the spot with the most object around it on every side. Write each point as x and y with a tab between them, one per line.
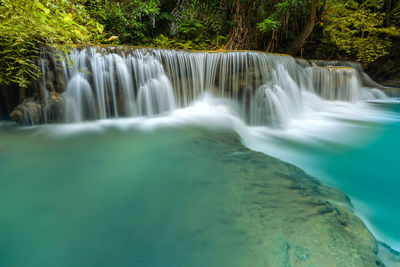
367	31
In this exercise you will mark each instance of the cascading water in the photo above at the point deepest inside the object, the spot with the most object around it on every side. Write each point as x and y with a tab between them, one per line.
336	83
341	83
79	101
241	76
268	89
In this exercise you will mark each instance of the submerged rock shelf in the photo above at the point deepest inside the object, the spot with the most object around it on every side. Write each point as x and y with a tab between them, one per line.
301	221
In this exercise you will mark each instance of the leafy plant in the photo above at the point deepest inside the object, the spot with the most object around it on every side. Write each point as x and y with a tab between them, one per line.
358	29
269	24
163	41
132	21
192	29
25	25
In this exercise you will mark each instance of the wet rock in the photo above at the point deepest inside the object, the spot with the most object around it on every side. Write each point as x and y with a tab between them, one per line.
55	108
389	255
301	252
50	77
28	112
60	82
50	86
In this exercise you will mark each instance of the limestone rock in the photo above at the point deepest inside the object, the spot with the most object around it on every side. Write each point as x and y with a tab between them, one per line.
28	112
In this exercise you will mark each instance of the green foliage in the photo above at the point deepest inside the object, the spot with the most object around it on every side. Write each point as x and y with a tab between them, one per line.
200	24
283	7
163	41
326	48
132	21
218	41
192	29
282	20
26	24
269	24
210	14
361	29
358	28
396	9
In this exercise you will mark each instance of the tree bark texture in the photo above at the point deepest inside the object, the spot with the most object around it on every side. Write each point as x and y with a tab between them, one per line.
240	35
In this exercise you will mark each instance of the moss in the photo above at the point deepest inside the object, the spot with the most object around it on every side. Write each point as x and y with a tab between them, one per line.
129	47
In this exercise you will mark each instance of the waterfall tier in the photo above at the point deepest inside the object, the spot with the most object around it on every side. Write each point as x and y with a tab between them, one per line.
267	89
336	83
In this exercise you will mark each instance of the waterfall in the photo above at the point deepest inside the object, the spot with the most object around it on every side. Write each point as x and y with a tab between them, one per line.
268	89
336	83
79	101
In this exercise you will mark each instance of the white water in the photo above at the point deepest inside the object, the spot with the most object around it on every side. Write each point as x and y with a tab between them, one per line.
267	89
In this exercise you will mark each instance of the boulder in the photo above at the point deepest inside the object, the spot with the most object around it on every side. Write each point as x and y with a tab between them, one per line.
27	113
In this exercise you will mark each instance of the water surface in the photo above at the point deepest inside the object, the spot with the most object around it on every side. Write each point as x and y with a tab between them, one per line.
356	153
165	191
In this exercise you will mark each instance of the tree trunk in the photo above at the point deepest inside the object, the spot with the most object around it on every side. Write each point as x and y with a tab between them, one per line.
388	4
301	39
240	34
